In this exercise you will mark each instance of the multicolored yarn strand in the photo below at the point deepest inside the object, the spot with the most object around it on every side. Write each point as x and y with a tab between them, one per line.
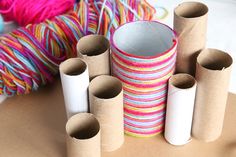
103	17
30	56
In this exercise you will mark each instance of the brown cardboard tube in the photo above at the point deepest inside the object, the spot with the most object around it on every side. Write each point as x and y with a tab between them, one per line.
83	136
213	75
95	50
190	24
106	103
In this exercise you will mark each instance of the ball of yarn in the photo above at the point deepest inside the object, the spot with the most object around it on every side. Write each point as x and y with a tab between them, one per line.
33	11
30	56
1	24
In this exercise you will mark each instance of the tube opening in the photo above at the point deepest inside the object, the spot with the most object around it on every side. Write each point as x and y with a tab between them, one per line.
82	126
105	87
182	81
143	38
191	10
93	45
73	66
213	59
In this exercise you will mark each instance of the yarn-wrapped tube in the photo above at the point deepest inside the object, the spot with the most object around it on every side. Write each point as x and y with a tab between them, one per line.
143	56
30	56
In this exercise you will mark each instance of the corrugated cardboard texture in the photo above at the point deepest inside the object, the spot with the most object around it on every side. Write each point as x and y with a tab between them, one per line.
34	126
83	136
95	50
190	24
106	103
213	75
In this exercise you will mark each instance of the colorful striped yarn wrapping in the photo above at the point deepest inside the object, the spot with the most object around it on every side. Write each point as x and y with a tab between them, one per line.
143	58
30	56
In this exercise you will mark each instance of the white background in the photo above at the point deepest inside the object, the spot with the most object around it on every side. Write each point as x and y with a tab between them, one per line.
221	26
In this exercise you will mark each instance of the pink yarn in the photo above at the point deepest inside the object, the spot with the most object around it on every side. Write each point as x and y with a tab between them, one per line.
33	11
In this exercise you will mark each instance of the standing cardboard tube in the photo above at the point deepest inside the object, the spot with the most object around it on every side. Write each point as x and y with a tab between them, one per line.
75	82
95	50
190	24
83	136
179	112
213	75
106	103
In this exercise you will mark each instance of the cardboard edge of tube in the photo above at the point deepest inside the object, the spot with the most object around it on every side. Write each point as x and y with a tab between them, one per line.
71	69
152	25
72	65
108	78
106	103
95	50
216	58
218	53
185	7
188	24
88	146
182	77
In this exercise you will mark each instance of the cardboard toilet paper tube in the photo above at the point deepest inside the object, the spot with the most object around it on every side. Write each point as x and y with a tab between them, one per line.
213	75
95	50
83	136
190	24
179	113
106	103
75	82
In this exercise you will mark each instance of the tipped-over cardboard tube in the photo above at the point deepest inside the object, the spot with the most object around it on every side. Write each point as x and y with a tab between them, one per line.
190	24
179	112
75	82
95	50
83	136
106	103
213	75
